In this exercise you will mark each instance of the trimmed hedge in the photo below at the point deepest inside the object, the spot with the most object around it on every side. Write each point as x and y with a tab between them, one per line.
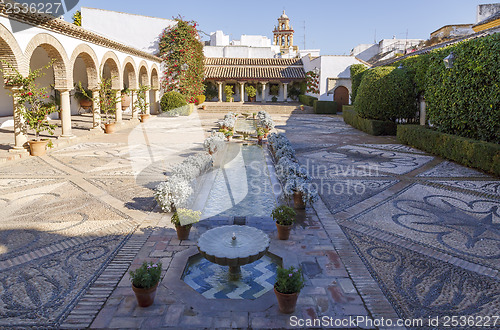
307	100
347	107
200	99
357	72
172	100
468	152
386	93
325	107
372	127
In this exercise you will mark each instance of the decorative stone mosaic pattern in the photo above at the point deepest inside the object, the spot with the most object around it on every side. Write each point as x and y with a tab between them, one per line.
485	187
394	147
448	169
213	282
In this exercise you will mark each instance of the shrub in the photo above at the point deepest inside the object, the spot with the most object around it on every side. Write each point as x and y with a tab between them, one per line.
307	100
465	99
327	107
228	90
372	127
200	99
172	100
386	93
468	152
357	71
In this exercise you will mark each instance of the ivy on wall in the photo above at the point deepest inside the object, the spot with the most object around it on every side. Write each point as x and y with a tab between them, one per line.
182	53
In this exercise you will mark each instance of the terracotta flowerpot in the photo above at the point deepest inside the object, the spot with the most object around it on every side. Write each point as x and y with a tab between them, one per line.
283	231
144	117
109	128
260	137
298	203
145	297
204	107
182	232
229	137
286	302
38	148
85	103
125	101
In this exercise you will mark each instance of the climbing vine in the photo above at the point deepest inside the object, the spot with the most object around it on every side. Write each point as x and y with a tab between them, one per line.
182	54
312	82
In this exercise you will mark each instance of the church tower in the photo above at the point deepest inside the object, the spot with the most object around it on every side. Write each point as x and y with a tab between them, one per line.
283	34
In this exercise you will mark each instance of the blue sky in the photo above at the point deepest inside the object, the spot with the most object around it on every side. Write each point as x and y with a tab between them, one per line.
334	26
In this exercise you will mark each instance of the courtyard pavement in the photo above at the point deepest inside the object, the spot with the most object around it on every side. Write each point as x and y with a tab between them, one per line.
396	234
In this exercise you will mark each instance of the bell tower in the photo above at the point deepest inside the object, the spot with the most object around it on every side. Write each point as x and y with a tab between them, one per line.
283	34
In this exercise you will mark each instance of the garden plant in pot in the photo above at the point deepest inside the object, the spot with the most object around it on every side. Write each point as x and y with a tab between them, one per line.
145	280
107	101
228	90
301	190
289	282
31	105
285	218
183	220
251	93
82	96
142	104
260	134
126	99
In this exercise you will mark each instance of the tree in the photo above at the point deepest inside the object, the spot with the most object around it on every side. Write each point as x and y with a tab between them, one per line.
182	54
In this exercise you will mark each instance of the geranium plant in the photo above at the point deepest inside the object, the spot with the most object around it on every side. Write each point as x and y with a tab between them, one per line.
146	276
289	280
284	215
312	82
31	98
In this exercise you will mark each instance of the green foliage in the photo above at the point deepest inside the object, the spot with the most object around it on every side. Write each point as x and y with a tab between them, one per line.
172	100
142	99
200	99
357	71
182	54
211	91
77	18
146	276
416	67
274	89
312	82
250	90
228	90
325	107
106	98
295	89
468	152
30	98
289	280
372	127
307	100
185	217
284	215
386	93
82	93
465	99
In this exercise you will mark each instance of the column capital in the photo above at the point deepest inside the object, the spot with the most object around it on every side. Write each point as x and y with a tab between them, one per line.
219	82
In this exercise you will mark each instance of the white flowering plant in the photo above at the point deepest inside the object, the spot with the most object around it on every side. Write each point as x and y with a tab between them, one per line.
295	184
214	142
285	151
193	166
173	193
287	167
185	217
278	140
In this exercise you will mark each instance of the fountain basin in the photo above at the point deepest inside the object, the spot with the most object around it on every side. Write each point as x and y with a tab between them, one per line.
218	246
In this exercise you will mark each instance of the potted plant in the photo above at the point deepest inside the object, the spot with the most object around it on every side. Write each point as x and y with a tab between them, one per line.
183	220
274	90
145	280
229	134
251	93
302	107
260	134
107	100
141	103
289	282
82	96
301	190
284	217
228	90
31	105
214	142
126	99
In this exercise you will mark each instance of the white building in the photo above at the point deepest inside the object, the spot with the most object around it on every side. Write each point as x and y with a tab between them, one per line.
249	46
384	49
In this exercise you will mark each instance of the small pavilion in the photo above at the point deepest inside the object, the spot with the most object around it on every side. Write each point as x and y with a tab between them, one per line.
270	76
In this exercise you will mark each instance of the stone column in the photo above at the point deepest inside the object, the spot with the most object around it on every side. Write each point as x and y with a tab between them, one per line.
20	131
156	98
285	92
220	90
146	98
264	92
119	111
134	112
65	114
242	92
423	119
96	111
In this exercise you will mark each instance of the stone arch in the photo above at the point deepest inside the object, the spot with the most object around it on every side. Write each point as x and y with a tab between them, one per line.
130	70
91	63
155	82
56	51
143	73
113	63
11	52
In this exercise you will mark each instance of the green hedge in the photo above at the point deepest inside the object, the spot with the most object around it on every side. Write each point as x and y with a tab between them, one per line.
372	127
325	107
469	152
307	100
386	93
357	72
347	107
172	100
